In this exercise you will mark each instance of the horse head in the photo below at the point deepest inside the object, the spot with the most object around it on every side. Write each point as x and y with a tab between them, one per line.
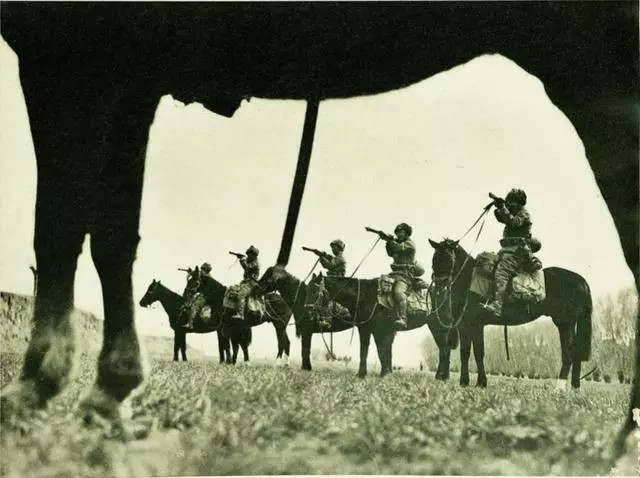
272	279
151	295
444	258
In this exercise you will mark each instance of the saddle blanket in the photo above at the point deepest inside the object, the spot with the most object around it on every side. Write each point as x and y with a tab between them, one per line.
416	299
253	305
528	287
196	309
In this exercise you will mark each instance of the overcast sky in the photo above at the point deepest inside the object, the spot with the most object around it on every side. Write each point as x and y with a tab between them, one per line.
426	155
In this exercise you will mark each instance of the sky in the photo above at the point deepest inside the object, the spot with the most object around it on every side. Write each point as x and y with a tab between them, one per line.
427	155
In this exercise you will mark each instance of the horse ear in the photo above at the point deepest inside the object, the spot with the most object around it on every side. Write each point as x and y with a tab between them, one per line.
456	243
434	244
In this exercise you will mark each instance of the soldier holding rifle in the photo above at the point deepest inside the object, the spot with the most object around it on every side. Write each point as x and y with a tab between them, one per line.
403	251
335	264
249	263
515	243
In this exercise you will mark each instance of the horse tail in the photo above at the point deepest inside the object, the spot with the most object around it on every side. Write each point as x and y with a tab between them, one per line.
584	326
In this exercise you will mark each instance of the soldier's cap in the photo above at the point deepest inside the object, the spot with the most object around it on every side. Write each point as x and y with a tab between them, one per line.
253	250
403	226
206	267
517	196
535	244
338	243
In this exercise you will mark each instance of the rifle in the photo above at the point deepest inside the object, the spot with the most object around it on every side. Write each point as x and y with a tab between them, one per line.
383	235
315	251
237	254
188	271
498	201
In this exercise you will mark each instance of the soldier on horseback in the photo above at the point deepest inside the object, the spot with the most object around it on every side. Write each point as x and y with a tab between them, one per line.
335	264
403	269
515	243
249	263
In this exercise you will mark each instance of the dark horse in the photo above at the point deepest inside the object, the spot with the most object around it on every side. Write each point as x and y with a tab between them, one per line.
359	296
172	302
276	312
567	302
92	75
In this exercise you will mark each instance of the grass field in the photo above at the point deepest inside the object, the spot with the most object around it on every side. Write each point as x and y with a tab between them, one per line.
202	418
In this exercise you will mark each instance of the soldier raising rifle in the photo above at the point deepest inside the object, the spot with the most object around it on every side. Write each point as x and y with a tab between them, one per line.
403	251
335	264
249	263
516	243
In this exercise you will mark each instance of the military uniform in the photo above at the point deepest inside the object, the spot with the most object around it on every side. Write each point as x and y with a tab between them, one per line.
515	244
336	265
249	279
403	253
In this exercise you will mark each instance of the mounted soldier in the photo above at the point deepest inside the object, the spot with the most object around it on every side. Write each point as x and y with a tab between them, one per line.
404	268
249	263
516	243
335	264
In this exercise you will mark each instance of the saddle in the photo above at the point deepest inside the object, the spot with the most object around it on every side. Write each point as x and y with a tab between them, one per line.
195	310
323	310
254	304
527	286
416	294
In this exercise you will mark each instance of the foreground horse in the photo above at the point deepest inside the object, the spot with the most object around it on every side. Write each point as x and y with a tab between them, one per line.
171	303
568	302
276	312
92	75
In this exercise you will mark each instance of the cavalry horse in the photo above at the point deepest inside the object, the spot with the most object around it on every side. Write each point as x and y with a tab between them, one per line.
276	312
568	302
171	303
92	75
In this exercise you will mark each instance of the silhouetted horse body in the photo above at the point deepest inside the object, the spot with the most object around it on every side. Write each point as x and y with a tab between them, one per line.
172	302
276	309
92	75
568	302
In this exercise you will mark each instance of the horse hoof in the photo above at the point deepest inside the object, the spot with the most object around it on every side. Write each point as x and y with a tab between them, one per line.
464	383
362	374
100	411
481	385
18	400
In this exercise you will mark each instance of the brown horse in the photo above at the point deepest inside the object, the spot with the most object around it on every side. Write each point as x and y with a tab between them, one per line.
92	75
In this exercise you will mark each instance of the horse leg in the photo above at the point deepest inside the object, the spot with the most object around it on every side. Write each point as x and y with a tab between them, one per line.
220	345
183	345
176	345
383	344
306	351
566	336
365	339
279	336
114	240
465	353
478	354
50	354
235	344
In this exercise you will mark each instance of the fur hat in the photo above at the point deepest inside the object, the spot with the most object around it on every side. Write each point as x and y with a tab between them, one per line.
517	196
338	243
206	267
403	226
253	250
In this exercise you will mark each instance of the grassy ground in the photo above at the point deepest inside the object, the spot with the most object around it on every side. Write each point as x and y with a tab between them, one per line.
206	419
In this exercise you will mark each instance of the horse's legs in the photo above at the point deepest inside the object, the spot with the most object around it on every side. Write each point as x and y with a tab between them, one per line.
478	353
114	240
183	345
63	122
465	352
365	339
176	345
566	340
245	346
306	350
384	342
221	349
235	344
279	336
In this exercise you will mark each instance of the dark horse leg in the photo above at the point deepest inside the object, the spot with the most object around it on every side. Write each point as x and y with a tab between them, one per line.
465	353
566	346
440	336
306	350
365	339
71	202
245	344
477	334
176	345
183	345
384	344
